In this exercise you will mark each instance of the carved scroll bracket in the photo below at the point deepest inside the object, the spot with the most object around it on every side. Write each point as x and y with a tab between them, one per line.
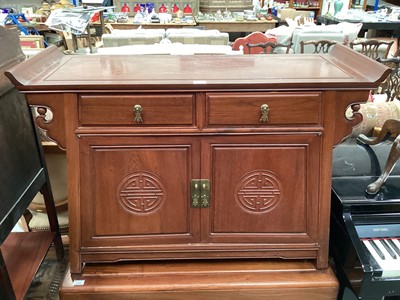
48	112
347	113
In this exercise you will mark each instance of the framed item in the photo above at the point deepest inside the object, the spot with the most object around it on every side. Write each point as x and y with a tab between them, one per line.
32	41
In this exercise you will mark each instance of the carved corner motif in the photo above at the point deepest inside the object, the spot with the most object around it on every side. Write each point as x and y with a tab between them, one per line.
141	193
350	110
259	191
43	116
355	116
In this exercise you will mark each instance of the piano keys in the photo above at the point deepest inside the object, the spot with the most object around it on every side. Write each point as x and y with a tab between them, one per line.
365	229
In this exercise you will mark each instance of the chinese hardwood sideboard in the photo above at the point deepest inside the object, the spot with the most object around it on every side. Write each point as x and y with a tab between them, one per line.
198	157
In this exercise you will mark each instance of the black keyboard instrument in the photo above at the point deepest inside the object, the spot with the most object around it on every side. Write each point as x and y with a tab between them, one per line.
365	229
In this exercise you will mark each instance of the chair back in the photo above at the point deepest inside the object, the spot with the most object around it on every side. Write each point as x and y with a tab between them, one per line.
391	85
319	46
253	38
270	47
372	48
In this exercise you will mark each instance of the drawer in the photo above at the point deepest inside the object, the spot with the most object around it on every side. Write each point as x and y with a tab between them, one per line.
119	110
245	108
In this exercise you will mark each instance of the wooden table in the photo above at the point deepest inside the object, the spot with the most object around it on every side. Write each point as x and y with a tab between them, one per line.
236	26
223	26
131	25
198	157
368	27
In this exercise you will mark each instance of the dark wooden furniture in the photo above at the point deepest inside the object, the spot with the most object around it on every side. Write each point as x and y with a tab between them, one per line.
320	46
23	175
371	47
391	85
269	47
184	157
389	128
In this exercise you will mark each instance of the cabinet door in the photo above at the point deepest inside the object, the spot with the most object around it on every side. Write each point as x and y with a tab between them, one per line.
135	191
264	188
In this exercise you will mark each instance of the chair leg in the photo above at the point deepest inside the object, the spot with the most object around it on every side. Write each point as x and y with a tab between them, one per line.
393	157
390	127
53	221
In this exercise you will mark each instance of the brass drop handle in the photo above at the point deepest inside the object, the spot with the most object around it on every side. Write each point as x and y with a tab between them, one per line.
264	113
138	113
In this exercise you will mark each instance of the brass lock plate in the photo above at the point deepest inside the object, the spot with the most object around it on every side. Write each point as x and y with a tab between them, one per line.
200	193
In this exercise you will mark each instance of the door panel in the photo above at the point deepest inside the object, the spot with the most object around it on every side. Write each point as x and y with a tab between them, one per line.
259	188
141	191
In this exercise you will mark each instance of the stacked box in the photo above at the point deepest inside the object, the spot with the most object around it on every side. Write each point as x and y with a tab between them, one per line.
194	4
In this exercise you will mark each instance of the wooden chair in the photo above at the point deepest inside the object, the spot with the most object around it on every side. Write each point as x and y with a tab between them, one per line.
269	47
253	38
372	48
389	128
391	85
397	53
23	175
320	46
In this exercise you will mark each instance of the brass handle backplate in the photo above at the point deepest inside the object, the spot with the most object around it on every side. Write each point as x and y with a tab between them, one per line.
195	193
200	193
264	113
205	193
138	113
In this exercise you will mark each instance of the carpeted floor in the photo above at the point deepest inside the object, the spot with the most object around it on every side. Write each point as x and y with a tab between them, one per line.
49	277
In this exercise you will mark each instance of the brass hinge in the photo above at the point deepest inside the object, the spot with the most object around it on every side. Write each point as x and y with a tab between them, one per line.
200	193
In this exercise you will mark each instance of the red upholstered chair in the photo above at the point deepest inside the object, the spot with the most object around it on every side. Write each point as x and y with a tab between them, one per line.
253	38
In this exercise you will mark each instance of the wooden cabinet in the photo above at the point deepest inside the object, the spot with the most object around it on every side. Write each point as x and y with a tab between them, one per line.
178	157
313	5
303	5
358	4
144	196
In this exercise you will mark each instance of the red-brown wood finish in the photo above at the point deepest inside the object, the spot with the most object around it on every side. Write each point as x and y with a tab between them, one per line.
129	180
228	280
23	253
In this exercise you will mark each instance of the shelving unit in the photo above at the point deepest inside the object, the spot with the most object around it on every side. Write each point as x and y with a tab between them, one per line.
312	5
29	248
361	4
24	175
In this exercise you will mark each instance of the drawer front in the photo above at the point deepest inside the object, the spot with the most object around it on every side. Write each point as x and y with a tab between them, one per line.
136	110
240	109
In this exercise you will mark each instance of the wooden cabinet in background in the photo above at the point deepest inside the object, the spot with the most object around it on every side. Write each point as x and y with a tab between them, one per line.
198	157
303	5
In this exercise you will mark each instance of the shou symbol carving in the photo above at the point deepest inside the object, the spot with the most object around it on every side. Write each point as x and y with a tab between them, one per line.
259	191
141	193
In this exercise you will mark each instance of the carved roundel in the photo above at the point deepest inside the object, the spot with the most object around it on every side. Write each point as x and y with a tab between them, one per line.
259	191
141	193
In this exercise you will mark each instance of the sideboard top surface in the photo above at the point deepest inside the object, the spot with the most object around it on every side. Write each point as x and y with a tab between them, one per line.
341	69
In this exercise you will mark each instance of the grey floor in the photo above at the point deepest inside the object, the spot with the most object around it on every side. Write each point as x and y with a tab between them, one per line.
49	277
